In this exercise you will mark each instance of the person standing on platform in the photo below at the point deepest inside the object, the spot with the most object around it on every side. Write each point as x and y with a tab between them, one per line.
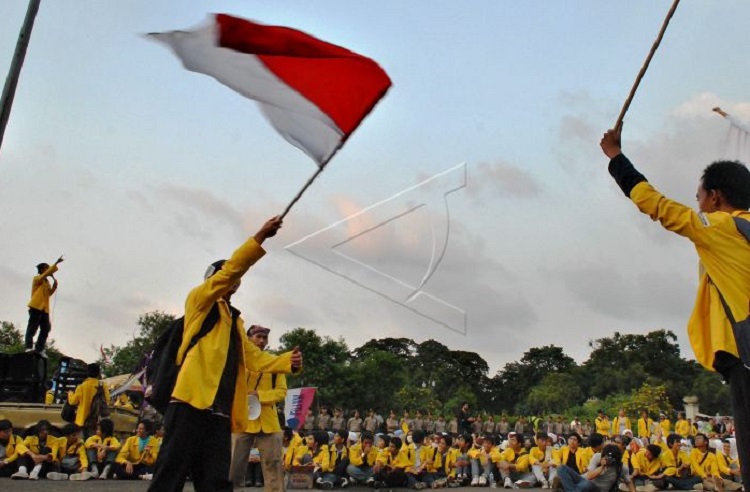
41	291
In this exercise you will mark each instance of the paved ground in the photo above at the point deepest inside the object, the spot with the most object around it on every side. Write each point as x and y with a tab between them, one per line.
133	486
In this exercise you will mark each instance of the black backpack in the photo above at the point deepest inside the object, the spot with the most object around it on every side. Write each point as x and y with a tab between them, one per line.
162	369
99	407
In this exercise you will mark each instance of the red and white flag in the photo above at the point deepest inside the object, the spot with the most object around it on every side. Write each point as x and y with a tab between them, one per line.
314	93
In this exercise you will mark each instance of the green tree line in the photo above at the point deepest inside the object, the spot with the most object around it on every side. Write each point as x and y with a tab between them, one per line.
623	370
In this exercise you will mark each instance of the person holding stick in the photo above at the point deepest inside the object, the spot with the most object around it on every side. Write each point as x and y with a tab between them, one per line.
41	291
718	327
209	400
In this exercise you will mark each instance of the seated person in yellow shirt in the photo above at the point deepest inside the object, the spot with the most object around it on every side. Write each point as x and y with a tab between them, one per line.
443	466
71	455
41	457
11	449
513	464
463	462
543	459
647	475
138	454
417	475
362	458
675	464
482	467
102	449
390	468
338	460
729	467
704	464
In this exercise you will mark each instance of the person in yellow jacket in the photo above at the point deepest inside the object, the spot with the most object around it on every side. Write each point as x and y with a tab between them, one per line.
138	454
263	432
71	455
41	455
41	291
338	458
647	466
362	458
482	462
729	468
719	231
513	464
442	468
303	454
675	464
102	449
704	464
682	426
543	459
209	400
390	467
665	425
11	449
573	455
645	426
620	424
83	396
602	425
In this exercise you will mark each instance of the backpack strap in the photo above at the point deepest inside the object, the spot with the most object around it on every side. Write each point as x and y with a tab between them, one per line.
208	324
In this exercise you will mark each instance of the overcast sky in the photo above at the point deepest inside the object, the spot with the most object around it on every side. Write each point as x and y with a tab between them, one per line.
143	173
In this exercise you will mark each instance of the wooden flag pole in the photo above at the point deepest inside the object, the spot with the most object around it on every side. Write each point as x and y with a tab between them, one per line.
308	183
651	53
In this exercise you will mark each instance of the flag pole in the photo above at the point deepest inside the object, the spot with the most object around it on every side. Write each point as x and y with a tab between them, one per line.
651	53
9	90
309	182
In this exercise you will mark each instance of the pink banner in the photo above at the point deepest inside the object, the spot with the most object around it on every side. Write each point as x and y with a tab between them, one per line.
298	401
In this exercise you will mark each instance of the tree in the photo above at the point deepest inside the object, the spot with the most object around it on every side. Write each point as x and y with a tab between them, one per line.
11	339
512	385
556	392
127	359
654	399
713	394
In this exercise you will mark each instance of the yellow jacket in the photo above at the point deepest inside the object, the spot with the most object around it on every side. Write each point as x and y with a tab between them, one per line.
644	427
521	459
77	449
670	463
644	466
444	463
83	396
682	427
405	458
550	455
198	379
32	444
335	455
724	257
703	465
615	431
269	394
358	458
297	454
666	426
322	458
724	463
581	459
602	426
129	451
49	397
15	448
41	290
110	442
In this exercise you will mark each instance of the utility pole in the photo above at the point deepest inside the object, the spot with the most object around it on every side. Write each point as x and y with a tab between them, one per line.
9	90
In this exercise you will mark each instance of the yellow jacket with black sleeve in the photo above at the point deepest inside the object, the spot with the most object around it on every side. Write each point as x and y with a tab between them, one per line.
271	390
724	264
295	456
130	451
520	459
41	290
14	449
83	396
202	366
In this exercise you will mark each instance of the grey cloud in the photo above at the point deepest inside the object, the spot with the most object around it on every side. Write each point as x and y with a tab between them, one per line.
503	179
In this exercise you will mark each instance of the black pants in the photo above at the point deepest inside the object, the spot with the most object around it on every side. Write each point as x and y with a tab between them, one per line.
37	320
9	469
196	442
739	388
138	471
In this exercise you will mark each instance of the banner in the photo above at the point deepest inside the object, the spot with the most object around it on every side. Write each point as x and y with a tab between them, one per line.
298	401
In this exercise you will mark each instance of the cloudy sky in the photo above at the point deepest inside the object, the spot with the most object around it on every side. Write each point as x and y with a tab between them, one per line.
143	173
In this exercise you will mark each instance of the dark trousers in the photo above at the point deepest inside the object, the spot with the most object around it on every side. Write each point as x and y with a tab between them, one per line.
739	388
9	469
38	320
196	442
138	470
